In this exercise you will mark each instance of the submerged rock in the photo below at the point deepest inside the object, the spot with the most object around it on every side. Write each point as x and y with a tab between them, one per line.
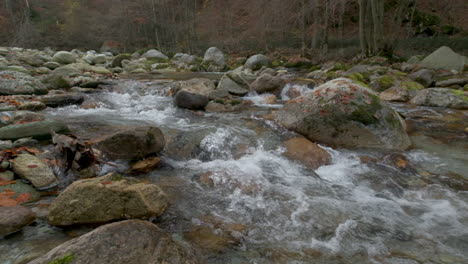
307	152
441	97
15	83
107	198
344	113
31	168
36	130
13	218
125	242
21	190
132	144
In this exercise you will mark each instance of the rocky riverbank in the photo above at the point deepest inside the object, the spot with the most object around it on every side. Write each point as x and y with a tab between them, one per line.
67	173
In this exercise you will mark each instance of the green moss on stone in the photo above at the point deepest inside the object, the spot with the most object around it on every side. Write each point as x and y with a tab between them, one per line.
332	75
411	85
358	78
465	88
460	94
365	113
386	82
314	68
63	260
339	67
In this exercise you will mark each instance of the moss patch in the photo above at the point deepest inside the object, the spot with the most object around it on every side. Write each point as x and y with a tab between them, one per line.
460	94
63	260
365	113
385	82
358	78
411	85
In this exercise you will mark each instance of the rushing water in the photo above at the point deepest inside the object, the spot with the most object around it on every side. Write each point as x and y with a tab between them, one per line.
229	168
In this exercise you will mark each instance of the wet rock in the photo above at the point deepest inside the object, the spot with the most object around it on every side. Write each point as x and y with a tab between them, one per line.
32	106
208	239
59	100
214	59
24	117
125	242
14	83
155	55
424	77
21	190
25	142
36	130
267	83
64	57
451	82
107	198
344	113
132	144
193	94
444	58
145	166
13	218
187	100
441	97
6	144
220	105
307	152
31	168
256	62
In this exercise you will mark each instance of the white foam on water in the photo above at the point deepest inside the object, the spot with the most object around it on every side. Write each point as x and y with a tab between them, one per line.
302	89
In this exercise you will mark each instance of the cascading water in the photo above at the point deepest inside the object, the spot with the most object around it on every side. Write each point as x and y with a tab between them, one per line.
345	212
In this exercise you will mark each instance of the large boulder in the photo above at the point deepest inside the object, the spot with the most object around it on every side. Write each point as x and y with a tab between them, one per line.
107	198
31	168
214	59
193	94
55	81
232	87
155	55
132	144
256	62
424	77
441	97
444	58
17	83
64	57
13	218
36	130
125	242
344	113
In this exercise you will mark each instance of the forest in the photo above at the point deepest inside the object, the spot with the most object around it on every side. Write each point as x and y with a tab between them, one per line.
309	27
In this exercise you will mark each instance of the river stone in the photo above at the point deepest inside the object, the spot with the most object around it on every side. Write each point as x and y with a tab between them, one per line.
132	144
441	97
424	77
193	94
397	94
117	61
58	100
13	218
214	59
267	83
125	242
307	152
64	57
154	54
107	198
232	87
344	113
451	82
192	101
55	81
444	58
32	106
17	83
256	62
7	176
31	168
20	188
36	130
52	65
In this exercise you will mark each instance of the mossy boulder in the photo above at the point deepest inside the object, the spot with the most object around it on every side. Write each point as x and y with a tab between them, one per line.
124	242
343	113
107	198
382	83
18	83
117	61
